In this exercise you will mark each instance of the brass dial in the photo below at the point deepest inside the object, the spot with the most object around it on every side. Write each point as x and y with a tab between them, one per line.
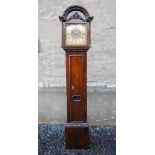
76	34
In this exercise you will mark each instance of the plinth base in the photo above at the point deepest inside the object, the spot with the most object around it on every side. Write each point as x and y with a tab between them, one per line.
77	135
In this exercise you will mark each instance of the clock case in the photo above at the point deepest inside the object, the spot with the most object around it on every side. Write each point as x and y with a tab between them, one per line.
76	128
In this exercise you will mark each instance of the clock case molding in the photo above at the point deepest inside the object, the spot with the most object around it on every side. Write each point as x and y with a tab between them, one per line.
72	15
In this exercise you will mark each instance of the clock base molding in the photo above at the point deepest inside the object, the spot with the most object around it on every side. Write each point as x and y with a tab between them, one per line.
77	135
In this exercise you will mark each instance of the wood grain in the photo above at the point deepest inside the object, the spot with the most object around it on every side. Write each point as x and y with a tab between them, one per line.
76	136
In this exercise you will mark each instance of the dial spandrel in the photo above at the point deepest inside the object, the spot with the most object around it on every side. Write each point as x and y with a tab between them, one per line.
76	34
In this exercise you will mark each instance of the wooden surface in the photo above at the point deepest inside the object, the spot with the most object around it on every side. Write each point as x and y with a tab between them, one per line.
76	130
76	136
76	78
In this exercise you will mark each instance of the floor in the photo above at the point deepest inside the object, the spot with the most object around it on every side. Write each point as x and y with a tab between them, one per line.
51	141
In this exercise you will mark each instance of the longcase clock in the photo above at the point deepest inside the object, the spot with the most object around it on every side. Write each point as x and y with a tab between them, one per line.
76	40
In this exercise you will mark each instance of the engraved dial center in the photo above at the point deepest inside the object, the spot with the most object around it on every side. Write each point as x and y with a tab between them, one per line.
76	33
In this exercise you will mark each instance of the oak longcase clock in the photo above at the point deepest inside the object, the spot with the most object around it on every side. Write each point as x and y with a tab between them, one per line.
76	40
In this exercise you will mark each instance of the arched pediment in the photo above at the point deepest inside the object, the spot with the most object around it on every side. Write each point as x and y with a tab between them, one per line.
76	12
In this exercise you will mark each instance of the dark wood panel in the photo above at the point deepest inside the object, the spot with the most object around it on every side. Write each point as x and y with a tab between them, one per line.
76	74
76	84
77	136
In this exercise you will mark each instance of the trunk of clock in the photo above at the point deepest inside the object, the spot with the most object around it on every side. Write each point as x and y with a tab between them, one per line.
76	129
